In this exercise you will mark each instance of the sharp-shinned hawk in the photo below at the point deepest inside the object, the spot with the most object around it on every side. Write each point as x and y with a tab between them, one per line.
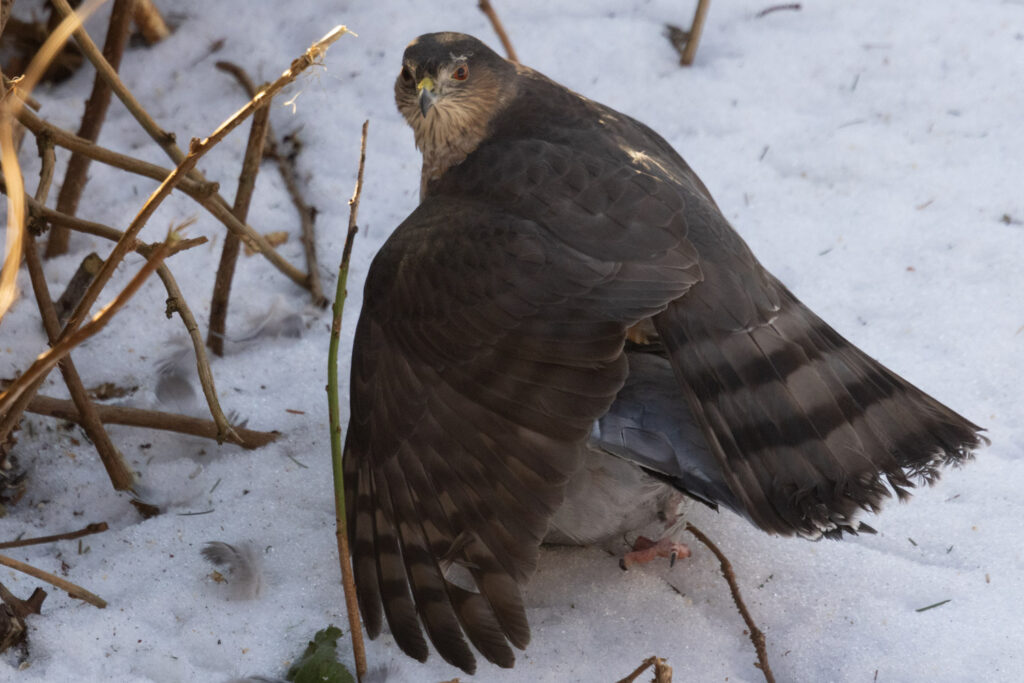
567	298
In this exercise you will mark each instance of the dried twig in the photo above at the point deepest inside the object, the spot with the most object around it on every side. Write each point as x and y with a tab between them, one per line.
176	304
756	636
777	8
291	183
78	145
229	253
109	75
341	529
202	191
120	475
662	671
485	7
151	25
94	528
198	149
78	283
689	52
216	204
70	588
45	362
150	419
92	120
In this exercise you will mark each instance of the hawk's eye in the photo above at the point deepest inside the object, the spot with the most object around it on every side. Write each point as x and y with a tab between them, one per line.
406	76
461	73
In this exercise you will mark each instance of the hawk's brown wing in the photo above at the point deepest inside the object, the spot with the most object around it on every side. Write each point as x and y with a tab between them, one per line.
487	346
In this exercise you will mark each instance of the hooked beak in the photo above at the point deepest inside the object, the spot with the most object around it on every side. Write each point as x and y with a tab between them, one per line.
427	96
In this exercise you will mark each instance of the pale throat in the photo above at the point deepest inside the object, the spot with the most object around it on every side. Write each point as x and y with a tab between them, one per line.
446	136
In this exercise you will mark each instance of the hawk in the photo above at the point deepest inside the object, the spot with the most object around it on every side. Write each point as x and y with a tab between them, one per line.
568	310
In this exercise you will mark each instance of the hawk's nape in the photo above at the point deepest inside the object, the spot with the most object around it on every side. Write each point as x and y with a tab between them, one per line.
491	342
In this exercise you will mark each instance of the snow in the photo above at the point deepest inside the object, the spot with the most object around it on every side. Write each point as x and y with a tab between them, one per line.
867	151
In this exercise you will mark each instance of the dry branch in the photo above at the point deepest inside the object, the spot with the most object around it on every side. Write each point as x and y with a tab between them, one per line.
70	339
120	475
689	51
70	588
92	120
341	529
291	183
756	636
151	24
109	75
778	8
215	204
150	419
485	7
202	191
662	671
232	244
198	149
94	528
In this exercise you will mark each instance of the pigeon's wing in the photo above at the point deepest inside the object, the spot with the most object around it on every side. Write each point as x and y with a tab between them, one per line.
487	346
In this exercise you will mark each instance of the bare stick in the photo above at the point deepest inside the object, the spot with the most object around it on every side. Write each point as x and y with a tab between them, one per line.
778	8
39	212
79	145
291	183
93	528
644	666
198	149
203	192
486	8
176	304
70	588
108	74
45	362
92	120
690	51
120	475
341	528
10	106
12	87
150	419
232	244
756	636
167	141
151	25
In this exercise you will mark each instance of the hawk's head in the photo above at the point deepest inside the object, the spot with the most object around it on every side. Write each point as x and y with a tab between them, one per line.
450	87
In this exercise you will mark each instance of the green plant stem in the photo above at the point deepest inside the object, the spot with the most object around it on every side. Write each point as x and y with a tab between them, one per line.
341	530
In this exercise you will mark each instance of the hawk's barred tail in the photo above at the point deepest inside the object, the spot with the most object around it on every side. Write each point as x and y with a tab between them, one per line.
808	429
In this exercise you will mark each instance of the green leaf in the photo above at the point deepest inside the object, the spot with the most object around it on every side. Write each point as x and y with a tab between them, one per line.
319	663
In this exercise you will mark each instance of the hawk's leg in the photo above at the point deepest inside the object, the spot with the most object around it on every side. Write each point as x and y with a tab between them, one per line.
645	550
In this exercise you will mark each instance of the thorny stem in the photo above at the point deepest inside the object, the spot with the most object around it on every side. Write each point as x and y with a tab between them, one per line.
341	531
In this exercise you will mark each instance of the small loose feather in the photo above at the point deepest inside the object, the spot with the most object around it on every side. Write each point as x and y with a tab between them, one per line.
243	567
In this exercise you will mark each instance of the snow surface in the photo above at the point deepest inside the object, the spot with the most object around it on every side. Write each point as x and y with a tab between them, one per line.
868	151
